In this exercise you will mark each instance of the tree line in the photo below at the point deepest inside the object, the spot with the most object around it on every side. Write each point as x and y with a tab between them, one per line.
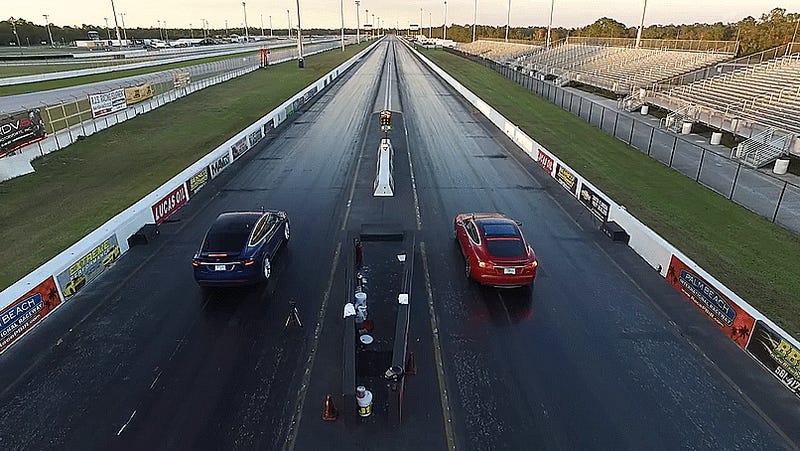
772	29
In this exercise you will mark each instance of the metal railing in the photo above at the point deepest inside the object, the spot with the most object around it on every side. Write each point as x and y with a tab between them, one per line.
758	191
729	47
763	148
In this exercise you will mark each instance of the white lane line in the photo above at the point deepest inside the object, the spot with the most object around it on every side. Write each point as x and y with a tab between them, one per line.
126	424
413	180
155	380
437	354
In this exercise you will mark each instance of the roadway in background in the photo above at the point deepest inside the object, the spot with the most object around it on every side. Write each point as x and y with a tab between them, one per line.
590	358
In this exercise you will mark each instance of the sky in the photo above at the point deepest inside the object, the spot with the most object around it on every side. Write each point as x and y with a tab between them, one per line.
326	13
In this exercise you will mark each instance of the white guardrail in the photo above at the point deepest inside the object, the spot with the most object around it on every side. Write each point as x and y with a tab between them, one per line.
25	303
751	330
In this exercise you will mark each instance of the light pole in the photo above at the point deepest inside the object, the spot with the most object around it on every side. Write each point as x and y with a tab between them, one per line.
290	23
47	20
116	24
373	25
246	31
444	24
204	23
420	21
358	23
430	24
641	25
14	29
474	19
166	32
191	31
160	30
270	27
508	19
108	31
550	24
124	30
262	24
300	62
341	10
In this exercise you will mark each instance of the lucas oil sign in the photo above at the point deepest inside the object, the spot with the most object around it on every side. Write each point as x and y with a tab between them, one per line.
169	204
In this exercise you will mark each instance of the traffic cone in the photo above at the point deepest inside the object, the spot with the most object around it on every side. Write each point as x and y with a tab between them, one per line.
411	365
330	413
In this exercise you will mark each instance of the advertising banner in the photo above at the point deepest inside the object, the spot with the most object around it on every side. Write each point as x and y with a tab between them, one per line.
197	181
107	102
545	162
169	204
239	148
138	93
594	203
181	79
20	129
269	126
728	316
26	311
219	165
88	267
567	179
255	137
289	110
778	355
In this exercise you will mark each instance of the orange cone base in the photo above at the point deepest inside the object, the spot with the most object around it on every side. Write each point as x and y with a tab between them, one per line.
330	413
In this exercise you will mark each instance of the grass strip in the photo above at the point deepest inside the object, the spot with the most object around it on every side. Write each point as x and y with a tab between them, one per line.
75	190
752	256
86	79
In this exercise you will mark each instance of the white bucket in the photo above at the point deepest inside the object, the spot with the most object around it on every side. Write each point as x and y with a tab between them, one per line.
716	138
361	298
364	400
781	166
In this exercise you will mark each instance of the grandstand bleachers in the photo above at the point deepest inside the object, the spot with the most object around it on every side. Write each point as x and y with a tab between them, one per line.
617	69
499	51
767	93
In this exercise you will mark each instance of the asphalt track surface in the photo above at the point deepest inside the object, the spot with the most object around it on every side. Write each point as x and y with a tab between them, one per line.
600	354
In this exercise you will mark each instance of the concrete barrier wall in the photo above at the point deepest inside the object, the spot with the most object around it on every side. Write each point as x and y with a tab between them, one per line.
756	334
31	299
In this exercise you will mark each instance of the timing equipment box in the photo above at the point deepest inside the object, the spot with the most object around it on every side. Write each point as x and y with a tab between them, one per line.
615	232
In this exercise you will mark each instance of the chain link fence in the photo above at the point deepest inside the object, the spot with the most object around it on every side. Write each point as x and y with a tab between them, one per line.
758	191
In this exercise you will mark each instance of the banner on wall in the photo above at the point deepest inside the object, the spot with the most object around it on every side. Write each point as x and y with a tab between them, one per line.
26	311
198	181
735	322
169	204
596	204
777	355
567	179
137	94
108	102
255	137
219	165
20	129
239	147
88	267
545	162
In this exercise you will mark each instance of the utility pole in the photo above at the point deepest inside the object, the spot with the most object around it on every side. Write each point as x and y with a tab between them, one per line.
550	24
300	62
47	20
116	24
246	30
508	19
358	23
444	25
474	19
641	26
341	10
124	30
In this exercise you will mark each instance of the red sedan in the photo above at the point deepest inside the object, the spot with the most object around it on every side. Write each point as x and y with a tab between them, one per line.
495	252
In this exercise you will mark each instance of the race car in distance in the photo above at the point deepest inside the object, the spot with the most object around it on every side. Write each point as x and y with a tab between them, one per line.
494	249
239	248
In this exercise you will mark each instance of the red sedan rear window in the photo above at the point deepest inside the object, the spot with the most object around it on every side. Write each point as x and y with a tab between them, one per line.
505	248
